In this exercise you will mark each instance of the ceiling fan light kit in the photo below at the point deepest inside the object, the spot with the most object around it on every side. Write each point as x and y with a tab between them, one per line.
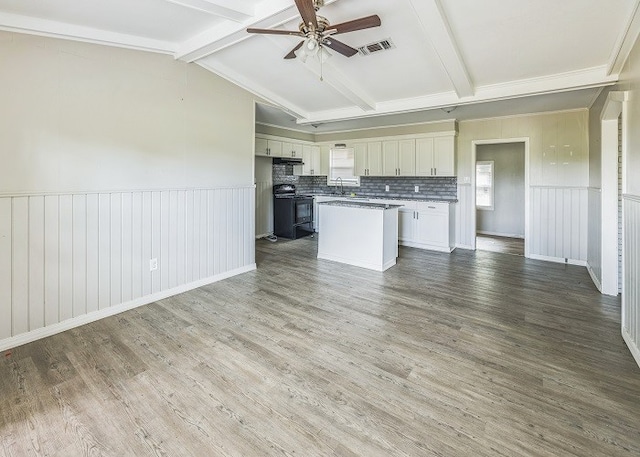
317	31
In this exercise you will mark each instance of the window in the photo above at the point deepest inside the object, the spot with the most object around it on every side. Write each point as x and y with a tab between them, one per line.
484	185
342	165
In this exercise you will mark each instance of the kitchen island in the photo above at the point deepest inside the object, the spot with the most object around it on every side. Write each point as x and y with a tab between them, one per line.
363	234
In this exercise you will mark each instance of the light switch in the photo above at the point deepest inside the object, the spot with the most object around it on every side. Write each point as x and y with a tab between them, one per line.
386	188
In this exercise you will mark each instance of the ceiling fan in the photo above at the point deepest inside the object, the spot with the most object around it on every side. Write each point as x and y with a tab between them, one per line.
318	32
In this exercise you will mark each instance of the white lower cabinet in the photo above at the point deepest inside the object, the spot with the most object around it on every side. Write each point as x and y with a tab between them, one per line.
424	225
406	224
427	225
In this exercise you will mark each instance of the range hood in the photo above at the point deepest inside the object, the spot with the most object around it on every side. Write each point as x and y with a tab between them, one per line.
288	160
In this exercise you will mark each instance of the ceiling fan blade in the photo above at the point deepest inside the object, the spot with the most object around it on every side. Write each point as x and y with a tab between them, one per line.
340	47
276	32
292	54
357	24
307	12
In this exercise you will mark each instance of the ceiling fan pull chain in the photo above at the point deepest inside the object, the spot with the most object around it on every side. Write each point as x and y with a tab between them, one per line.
320	56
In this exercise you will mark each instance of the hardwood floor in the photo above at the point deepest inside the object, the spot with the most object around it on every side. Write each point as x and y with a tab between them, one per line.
506	245
462	354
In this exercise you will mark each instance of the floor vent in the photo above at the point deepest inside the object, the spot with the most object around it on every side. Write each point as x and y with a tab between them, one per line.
377	46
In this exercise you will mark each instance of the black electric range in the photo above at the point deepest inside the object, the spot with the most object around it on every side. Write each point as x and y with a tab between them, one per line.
292	212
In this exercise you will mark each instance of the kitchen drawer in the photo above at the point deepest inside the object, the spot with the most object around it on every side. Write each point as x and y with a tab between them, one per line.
434	207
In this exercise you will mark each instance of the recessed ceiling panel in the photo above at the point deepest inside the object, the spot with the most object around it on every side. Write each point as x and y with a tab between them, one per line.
410	69
156	19
260	59
502	41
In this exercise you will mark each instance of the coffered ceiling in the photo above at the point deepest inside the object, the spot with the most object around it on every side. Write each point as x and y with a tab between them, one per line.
484	57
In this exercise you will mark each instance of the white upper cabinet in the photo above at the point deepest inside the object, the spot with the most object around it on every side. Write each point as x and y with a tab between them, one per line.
360	159
435	156
292	150
368	158
389	158
268	148
325	158
311	161
399	158
374	158
444	156
407	157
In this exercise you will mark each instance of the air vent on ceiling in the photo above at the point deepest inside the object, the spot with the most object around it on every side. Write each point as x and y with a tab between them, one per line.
377	46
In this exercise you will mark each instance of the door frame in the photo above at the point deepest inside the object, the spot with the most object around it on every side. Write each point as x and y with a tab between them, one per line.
615	105
474	146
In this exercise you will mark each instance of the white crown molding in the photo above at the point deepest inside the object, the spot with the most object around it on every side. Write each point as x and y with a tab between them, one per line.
222	8
625	42
280	127
53	29
437	29
581	79
260	92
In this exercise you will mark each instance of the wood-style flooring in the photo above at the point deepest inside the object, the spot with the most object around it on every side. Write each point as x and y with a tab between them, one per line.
462	354
506	245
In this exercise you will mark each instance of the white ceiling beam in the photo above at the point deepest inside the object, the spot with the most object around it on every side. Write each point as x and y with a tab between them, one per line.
331	76
583	79
436	27
625	41
44	27
262	93
221	8
268	14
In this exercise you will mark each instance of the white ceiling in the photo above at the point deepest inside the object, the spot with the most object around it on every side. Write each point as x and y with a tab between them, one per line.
486	58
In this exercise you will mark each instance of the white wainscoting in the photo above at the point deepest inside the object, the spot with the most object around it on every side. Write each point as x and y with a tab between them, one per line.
69	259
264	208
465	237
631	274
594	251
559	224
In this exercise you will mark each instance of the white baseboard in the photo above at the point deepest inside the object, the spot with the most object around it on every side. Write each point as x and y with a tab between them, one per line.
465	246
429	247
264	235
44	332
504	235
595	280
582	263
635	351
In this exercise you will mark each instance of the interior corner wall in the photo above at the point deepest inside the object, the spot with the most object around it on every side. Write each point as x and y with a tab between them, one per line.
558	180
629	82
111	158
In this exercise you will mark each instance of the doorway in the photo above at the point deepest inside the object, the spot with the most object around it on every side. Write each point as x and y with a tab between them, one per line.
501	196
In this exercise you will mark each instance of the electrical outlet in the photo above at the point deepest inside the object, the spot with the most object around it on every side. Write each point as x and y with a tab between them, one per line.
416	189
386	188
153	264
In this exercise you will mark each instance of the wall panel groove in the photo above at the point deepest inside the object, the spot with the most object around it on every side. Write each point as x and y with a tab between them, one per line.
66	256
559	222
631	272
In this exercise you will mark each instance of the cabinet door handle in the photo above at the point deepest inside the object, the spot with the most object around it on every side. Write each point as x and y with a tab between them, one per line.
431	207
417	215
435	171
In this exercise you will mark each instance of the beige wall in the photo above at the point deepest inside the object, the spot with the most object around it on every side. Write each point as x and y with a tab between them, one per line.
109	159
558	145
276	131
629	81
82	117
558	180
416	129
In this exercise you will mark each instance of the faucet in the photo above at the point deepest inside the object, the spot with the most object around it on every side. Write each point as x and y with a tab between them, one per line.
341	188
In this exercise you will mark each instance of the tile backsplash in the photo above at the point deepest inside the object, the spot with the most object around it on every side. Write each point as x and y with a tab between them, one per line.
441	188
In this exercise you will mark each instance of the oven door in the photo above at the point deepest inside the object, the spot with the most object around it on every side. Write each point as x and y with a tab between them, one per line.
304	210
